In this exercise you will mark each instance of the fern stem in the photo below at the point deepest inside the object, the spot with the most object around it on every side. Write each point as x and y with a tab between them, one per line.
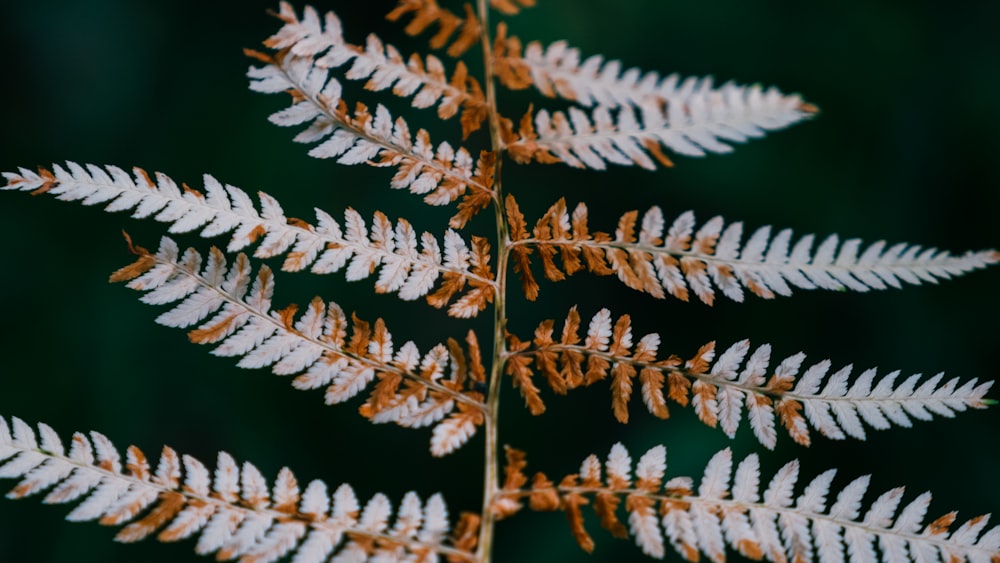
491	469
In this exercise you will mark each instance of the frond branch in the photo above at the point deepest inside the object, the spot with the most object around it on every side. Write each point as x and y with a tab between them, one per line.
384	68
412	390
281	325
720	388
632	113
629	136
560	71
324	247
647	255
302	69
233	514
729	508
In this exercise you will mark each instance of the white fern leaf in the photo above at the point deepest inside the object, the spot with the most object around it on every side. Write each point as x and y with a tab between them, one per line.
248	522
645	527
720	387
561	71
619	466
323	248
698	121
453	432
650	467
442	173
313	346
425	79
713	258
729	509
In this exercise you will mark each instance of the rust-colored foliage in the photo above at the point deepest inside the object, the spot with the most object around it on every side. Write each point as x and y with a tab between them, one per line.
427	13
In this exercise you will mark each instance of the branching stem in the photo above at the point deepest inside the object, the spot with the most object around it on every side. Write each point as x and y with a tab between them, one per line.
491	468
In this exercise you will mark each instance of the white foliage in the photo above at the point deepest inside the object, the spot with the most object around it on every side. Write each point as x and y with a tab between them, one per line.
729	509
619	466
241	323
406	267
652	465
833	409
451	434
442	173
645	527
692	119
590	469
713	256
736	381
560	70
599	331
228	521
715	482
382	65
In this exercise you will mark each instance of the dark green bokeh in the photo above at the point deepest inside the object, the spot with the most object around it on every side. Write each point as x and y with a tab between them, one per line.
905	149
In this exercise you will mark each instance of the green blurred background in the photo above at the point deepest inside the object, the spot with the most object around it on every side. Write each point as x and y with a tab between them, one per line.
905	149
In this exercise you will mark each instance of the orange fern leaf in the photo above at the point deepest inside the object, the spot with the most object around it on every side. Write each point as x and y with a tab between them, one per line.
427	13
511	7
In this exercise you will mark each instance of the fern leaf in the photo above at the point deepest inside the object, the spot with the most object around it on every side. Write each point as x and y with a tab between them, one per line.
560	70
720	387
441	172
425	79
232	310
729	509
634	112
702	123
236	514
326	247
511	7
427	13
650	257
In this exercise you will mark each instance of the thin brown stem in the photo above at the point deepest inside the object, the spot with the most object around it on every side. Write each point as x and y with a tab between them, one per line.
491	469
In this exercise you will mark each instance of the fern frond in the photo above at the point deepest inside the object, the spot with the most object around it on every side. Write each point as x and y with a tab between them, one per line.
703	122
634	112
427	13
326	247
648	256
409	389
559	70
425	79
729	508
441	172
721	388
230	510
